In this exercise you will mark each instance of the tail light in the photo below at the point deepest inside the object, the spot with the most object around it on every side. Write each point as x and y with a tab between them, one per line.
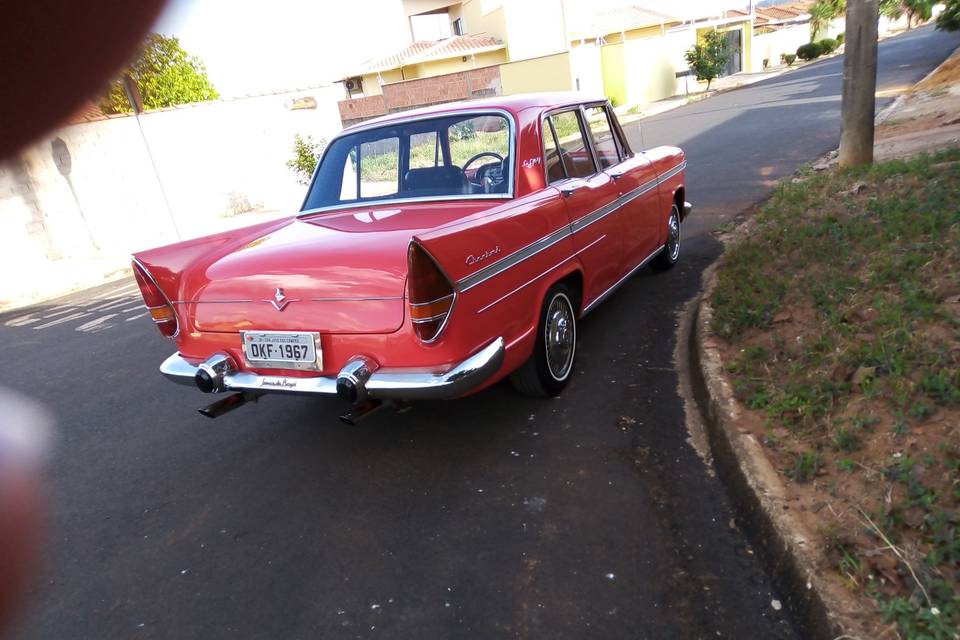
431	294
162	312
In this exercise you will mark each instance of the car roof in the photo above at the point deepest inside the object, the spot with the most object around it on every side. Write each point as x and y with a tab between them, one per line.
512	104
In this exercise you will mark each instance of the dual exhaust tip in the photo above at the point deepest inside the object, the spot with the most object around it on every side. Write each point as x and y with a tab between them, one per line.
351	387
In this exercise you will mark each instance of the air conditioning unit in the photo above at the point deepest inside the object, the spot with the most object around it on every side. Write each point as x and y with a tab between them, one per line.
354	85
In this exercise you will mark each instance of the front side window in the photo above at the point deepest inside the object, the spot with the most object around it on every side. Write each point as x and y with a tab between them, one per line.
603	138
448	156
574	153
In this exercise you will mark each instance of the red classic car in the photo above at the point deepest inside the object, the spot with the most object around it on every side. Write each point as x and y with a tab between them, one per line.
436	252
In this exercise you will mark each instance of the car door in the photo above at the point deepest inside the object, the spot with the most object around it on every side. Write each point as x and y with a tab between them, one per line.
636	181
590	197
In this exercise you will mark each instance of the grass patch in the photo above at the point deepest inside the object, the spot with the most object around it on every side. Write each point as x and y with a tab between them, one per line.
839	313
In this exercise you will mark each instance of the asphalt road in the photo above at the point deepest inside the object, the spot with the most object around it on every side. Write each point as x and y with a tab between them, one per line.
588	516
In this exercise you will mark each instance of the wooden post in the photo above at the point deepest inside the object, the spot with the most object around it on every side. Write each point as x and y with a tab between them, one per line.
859	83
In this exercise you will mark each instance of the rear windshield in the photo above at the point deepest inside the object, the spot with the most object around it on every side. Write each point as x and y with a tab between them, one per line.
456	156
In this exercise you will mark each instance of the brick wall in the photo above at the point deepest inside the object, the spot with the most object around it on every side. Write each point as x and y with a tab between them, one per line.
359	109
410	94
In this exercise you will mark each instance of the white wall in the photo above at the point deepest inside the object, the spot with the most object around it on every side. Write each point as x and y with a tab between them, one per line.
90	190
586	67
770	45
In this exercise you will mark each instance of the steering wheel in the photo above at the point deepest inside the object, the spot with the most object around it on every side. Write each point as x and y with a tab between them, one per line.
481	155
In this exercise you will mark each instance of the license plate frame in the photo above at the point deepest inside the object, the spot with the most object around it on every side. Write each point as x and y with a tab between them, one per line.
310	339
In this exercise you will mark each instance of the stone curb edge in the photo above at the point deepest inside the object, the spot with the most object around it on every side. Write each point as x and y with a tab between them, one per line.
758	495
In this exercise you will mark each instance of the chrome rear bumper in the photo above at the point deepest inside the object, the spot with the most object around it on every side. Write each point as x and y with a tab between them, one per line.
382	384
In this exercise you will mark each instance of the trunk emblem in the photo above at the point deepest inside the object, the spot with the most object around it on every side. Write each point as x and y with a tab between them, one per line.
280	300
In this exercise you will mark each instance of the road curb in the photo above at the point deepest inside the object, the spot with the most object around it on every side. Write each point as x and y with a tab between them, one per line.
788	551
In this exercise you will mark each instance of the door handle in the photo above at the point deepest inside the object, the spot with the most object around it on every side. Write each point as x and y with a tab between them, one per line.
568	189
616	175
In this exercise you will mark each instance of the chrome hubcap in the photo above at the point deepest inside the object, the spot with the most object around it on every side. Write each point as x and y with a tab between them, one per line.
673	237
560	335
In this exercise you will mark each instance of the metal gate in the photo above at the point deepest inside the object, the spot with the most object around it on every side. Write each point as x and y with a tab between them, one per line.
735	47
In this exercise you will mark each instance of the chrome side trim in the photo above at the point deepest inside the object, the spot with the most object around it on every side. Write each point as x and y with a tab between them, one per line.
534	279
582	223
492	270
383	384
515	258
434	301
616	285
211	301
430	319
369	299
366	204
672	172
366	299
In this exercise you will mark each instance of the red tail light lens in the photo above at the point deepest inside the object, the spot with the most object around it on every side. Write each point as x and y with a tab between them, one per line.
162	312
431	294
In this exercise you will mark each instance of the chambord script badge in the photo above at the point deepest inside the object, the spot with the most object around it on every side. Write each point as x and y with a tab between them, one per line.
280	300
489	253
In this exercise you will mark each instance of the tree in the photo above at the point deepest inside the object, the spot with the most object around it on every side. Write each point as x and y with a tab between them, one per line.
709	58
920	10
949	20
165	75
821	13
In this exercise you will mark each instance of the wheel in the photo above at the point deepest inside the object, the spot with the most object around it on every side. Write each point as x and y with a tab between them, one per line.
671	248
548	370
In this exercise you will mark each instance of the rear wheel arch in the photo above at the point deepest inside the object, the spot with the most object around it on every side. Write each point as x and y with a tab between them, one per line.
574	281
679	197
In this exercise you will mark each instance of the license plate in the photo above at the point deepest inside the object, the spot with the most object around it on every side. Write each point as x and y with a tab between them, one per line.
282	350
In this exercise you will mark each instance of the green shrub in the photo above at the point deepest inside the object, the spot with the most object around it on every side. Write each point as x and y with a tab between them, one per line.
840	38
306	152
789	58
828	45
809	51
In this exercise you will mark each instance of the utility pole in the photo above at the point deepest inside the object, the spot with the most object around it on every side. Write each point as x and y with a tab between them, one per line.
859	83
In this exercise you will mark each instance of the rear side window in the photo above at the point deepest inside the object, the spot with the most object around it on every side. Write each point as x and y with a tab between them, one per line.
551	154
574	153
603	138
379	169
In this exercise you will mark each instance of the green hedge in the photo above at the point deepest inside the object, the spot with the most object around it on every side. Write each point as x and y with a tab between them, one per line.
809	51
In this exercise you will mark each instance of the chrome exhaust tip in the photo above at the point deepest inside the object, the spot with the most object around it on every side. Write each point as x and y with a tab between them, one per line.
352	380
225	405
360	412
211	374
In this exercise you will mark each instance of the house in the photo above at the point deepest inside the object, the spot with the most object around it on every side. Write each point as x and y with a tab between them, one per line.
485	47
640	50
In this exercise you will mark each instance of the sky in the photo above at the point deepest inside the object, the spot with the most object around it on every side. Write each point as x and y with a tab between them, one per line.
251	47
